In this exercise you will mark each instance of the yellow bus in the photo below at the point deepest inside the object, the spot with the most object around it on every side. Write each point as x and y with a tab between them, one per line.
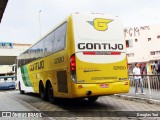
82	57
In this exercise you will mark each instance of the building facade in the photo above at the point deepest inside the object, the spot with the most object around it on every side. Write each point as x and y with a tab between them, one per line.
8	54
143	44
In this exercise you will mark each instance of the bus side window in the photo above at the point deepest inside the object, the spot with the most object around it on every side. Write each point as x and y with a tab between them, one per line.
49	44
60	35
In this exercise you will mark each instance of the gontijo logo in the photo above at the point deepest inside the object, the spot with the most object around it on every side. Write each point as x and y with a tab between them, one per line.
100	24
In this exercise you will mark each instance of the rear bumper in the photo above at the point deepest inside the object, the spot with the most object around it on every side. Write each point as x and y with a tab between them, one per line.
81	90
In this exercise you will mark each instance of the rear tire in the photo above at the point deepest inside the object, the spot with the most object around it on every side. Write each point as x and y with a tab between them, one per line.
42	91
92	98
20	90
50	94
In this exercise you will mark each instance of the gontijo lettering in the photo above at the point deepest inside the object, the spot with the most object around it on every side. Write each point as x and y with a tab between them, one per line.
37	65
99	46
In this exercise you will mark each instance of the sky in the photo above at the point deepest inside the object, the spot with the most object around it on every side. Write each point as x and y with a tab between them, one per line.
22	18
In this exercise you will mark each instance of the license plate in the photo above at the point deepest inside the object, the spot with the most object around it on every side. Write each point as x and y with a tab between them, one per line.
104	86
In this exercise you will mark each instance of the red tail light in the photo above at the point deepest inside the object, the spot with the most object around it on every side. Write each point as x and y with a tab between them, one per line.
73	67
73	63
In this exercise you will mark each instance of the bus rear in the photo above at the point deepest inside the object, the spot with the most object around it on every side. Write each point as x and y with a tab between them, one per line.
98	65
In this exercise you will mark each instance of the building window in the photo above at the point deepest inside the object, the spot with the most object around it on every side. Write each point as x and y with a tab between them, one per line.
5	45
149	39
136	40
154	52
130	55
158	36
129	43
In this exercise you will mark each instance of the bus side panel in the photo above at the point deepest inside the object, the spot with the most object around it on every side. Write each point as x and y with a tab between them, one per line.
63	78
53	68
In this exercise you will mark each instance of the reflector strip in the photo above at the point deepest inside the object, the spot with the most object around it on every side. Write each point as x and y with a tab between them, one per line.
101	53
115	53
89	53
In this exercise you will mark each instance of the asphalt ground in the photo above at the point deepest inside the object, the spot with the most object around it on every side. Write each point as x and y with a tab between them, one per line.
105	108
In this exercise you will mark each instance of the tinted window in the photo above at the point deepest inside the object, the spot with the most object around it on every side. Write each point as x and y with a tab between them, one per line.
53	42
40	49
60	35
49	43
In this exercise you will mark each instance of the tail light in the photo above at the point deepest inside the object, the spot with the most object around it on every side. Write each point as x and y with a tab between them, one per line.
73	67
73	63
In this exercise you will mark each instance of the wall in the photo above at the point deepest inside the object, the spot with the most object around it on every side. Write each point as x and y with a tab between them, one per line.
148	40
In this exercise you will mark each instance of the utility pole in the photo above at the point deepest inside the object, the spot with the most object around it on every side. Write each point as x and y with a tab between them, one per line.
40	23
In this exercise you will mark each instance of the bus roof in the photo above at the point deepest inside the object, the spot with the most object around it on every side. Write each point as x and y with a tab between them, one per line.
72	14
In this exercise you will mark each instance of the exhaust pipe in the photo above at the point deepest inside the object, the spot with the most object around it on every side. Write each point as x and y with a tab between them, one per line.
88	93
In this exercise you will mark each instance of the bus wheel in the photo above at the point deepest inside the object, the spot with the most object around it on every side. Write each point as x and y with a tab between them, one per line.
21	91
92	99
50	94
42	91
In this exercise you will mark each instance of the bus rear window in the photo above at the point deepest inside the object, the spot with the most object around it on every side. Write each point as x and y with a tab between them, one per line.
98	27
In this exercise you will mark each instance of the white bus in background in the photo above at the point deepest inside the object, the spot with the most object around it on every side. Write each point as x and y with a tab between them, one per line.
7	77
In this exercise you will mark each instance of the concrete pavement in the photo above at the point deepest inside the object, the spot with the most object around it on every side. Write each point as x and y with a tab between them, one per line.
12	106
67	109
